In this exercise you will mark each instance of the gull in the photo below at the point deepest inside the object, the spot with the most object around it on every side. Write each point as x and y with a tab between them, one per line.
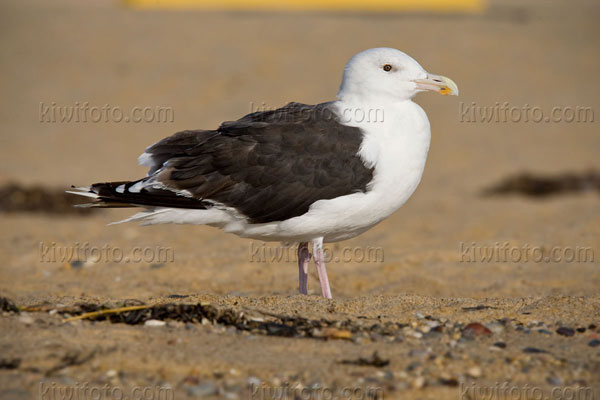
306	174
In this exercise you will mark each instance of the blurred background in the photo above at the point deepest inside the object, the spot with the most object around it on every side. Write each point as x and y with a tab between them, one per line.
504	171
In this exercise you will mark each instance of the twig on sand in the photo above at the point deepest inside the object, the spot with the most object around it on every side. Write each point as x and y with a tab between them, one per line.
98	313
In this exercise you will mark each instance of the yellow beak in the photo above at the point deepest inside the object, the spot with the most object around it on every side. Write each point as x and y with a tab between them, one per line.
438	83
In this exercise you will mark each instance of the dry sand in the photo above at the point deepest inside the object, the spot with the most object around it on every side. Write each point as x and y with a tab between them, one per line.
210	67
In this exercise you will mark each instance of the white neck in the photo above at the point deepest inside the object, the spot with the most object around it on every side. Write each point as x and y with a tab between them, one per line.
395	144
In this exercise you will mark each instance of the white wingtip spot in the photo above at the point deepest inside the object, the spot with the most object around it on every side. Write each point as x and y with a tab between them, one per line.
137	187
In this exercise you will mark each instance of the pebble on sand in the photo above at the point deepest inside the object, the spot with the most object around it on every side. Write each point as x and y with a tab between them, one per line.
418	382
475	329
155	322
474	372
202	389
26	319
565	331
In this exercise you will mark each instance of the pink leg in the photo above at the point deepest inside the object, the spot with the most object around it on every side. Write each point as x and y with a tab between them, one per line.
303	259
320	264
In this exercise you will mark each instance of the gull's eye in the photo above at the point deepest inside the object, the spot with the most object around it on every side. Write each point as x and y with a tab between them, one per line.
387	67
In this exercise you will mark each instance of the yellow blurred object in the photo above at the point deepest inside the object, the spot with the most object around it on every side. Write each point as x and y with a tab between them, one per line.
316	5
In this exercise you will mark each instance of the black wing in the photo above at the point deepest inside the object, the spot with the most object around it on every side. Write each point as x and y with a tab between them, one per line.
269	166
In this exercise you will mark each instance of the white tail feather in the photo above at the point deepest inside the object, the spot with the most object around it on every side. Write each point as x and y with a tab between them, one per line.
83	193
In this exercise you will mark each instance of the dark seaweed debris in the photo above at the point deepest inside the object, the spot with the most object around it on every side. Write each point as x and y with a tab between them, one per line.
70	359
477	308
540	186
274	325
10	363
17	198
8	305
373	361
